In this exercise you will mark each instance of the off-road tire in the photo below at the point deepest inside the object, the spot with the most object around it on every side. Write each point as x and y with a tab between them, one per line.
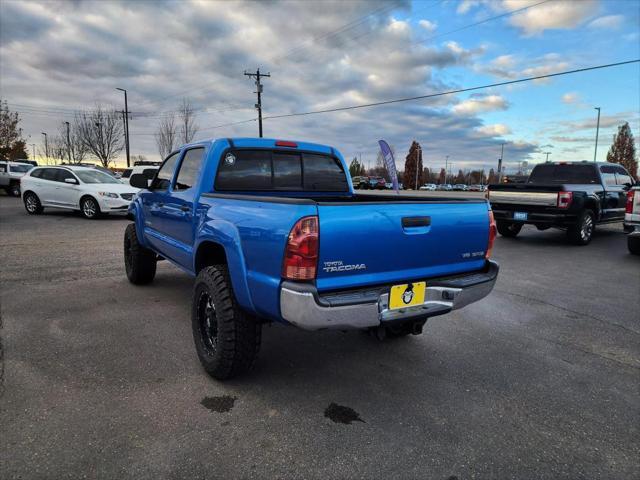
32	203
227	340
89	208
139	262
633	244
582	232
509	229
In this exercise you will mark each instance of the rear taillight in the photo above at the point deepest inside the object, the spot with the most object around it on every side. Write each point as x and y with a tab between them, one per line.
301	253
493	231
629	207
564	199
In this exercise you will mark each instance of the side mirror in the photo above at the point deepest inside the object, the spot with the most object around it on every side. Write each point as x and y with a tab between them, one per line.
139	180
73	181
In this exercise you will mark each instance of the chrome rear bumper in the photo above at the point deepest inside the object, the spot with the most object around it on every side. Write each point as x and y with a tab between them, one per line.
301	305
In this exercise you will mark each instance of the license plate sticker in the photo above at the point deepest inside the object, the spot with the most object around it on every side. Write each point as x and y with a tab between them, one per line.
407	295
520	215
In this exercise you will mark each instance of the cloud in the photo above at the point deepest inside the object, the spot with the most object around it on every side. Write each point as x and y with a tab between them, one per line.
480	104
608	22
427	25
550	16
511	67
571	98
495	130
466	5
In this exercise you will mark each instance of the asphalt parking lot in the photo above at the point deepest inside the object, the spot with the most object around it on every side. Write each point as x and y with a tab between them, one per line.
539	380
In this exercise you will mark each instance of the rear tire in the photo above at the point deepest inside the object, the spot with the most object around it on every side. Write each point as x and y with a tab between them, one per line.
14	190
633	244
582	232
139	262
227	340
509	229
32	204
89	208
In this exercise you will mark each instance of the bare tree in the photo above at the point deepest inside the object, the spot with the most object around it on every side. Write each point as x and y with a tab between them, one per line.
188	126
101	132
166	135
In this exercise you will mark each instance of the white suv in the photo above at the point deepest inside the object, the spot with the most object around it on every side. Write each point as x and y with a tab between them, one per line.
77	188
10	175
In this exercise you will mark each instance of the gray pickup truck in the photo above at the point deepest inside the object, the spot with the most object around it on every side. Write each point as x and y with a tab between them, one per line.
10	175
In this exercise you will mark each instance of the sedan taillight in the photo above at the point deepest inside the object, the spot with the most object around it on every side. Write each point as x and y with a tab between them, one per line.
301	253
564	199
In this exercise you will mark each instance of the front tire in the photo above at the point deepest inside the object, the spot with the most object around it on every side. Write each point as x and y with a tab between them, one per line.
582	232
509	229
89	208
139	262
633	244
32	204
227	340
14	189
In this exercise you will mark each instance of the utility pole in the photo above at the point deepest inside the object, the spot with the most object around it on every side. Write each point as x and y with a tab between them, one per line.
595	153
446	168
547	154
46	147
258	105
68	142
126	124
500	163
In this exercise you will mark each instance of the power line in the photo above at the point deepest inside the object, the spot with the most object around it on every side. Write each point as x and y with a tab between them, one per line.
451	92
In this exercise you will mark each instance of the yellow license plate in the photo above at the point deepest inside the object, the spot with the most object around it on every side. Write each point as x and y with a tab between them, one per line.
407	295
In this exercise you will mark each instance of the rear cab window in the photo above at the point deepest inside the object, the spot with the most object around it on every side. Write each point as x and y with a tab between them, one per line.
275	170
564	173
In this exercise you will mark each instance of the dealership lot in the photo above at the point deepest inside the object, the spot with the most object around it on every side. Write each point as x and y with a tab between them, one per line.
540	379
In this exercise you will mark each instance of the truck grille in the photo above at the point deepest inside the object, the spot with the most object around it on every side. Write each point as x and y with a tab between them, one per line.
127	196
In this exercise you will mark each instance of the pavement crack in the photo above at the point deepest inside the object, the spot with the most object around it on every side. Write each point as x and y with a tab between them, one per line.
543	302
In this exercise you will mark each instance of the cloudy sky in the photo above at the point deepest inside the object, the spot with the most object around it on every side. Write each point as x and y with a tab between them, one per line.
57	57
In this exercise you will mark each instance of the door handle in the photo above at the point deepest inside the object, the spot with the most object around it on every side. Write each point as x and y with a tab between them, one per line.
409	222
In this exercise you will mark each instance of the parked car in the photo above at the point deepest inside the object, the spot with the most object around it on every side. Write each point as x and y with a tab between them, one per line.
273	232
361	183
377	183
86	189
475	188
575	196
632	220
10	175
460	187
444	186
148	171
428	186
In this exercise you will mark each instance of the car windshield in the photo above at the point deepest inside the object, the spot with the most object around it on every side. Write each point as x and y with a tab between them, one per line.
95	176
21	168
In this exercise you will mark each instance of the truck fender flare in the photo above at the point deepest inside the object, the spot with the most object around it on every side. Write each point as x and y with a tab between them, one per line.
227	236
135	209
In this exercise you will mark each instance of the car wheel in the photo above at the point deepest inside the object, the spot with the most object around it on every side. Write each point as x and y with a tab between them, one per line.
89	208
32	203
633	244
227	340
509	229
582	232
139	262
14	190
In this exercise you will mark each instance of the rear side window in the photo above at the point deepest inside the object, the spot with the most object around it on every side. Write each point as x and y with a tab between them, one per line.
608	175
276	170
127	173
3	167
189	169
37	173
564	173
165	174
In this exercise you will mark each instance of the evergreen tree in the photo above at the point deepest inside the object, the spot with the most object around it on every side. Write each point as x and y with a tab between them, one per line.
623	150
442	178
413	166
12	145
492	177
356	169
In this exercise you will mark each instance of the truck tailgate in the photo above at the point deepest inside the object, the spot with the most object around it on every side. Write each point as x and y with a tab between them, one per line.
379	243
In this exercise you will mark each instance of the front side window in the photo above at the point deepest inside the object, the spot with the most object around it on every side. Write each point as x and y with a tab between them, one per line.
95	176
165	174
622	177
63	175
49	174
189	169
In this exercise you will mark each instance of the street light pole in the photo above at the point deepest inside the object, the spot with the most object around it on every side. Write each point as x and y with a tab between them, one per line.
46	147
547	154
446	169
500	163
126	124
68	142
33	146
595	153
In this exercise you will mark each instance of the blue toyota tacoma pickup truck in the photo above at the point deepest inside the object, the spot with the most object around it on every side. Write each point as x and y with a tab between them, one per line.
273	232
